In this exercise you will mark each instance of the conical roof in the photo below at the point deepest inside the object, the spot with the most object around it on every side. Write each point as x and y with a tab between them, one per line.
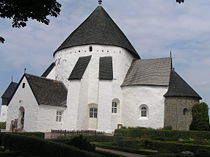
179	88
98	28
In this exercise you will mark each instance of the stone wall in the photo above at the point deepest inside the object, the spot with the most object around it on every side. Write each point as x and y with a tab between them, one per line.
178	112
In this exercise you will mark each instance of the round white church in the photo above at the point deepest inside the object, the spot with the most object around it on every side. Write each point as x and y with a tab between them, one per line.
99	82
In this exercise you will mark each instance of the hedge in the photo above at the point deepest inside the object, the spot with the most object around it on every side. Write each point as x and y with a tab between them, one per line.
162	134
2	125
109	145
78	141
33	134
90	138
35	146
108	154
9	154
170	155
173	146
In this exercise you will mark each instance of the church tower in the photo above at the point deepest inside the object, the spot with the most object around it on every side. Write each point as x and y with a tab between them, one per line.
92	62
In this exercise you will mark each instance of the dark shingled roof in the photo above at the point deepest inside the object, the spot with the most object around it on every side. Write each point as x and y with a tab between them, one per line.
47	91
105	68
48	70
149	72
80	67
179	88
9	93
98	28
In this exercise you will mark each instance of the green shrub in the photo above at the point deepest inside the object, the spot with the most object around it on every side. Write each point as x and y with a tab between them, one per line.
91	138
81	142
162	134
163	155
108	154
128	143
202	153
167	128
200	117
2	125
174	147
32	146
110	145
9	154
169	155
33	134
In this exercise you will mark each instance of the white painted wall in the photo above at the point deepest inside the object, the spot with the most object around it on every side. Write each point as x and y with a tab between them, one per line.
3	116
46	120
23	98
105	106
71	114
66	59
152	96
89	90
51	75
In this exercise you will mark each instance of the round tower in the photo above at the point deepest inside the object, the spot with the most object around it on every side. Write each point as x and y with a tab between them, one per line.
92	62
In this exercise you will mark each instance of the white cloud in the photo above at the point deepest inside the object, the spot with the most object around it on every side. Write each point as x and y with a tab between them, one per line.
154	27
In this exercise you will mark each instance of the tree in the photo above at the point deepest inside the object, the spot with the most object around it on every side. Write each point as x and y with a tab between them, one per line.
200	117
20	11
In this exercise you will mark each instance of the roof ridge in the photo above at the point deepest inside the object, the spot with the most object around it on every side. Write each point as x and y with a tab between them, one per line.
41	77
98	28
178	87
155	58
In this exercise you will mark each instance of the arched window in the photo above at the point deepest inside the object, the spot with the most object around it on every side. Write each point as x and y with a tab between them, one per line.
115	105
143	111
185	111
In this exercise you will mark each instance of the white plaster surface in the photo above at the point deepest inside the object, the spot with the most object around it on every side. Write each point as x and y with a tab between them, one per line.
46	120
51	75
134	97
3	116
91	91
23	98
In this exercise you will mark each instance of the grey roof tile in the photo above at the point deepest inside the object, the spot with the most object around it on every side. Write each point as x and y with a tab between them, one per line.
47	91
149	72
105	68
179	88
9	93
98	28
80	67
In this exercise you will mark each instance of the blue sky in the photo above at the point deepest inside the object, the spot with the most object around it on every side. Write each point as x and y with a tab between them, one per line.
154	27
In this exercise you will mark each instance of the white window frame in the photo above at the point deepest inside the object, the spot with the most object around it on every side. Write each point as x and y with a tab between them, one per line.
93	112
59	116
114	107
144	111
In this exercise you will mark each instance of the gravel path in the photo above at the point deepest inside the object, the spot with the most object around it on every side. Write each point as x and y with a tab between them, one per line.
120	153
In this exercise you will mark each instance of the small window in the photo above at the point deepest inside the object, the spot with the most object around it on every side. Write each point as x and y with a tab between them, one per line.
93	112
59	116
185	111
23	85
114	107
143	111
90	48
